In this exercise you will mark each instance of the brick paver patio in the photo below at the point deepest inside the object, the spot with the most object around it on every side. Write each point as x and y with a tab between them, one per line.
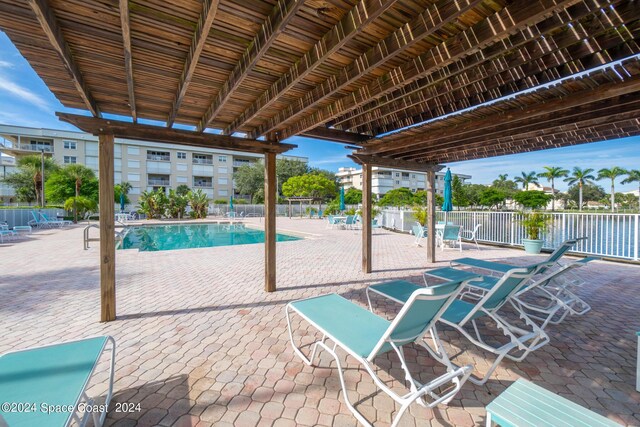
200	343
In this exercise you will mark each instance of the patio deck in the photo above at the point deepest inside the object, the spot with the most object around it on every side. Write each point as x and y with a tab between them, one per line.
200	343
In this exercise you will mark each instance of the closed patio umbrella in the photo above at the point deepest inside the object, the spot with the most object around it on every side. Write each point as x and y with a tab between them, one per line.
342	207
121	202
447	205
230	204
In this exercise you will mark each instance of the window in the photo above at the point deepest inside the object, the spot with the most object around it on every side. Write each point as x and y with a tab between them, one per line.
91	162
182	167
133	177
133	151
69	159
397	182
69	145
222	159
397	174
413	175
182	155
223	171
133	164
202	182
181	179
158	156
223	193
223	181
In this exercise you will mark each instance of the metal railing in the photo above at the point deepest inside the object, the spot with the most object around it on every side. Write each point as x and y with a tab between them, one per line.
609	235
197	161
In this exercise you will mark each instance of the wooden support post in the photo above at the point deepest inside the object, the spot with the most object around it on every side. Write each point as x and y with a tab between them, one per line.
431	216
270	222
366	217
107	231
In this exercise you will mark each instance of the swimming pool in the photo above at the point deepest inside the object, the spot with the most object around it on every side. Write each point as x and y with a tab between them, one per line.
187	236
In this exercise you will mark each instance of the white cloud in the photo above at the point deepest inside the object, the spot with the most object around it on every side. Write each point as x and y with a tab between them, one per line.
5	64
22	93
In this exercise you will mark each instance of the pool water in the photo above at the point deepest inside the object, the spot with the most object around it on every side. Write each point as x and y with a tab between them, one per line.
186	236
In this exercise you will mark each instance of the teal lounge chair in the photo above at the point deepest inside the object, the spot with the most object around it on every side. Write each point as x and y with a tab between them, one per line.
465	311
5	233
38	222
56	376
55	222
553	283
364	336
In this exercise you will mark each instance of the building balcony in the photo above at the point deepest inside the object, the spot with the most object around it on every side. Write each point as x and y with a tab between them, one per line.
24	149
202	161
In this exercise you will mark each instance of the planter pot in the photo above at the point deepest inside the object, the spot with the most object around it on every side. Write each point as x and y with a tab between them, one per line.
532	246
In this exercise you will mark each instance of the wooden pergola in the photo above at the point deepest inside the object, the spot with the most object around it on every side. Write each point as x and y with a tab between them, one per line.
403	83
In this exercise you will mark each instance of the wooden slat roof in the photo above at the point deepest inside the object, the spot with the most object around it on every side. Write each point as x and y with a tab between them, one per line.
364	68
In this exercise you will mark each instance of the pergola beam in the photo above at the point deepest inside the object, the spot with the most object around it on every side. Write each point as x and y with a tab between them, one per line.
362	159
209	10
432	19
336	135
49	24
143	132
352	24
128	59
280	16
587	115
512	18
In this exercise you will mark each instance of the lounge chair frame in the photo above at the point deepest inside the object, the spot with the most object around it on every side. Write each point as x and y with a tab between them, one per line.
75	417
455	375
521	341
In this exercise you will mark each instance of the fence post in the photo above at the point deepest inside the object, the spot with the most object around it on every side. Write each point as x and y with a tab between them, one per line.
513	228
635	239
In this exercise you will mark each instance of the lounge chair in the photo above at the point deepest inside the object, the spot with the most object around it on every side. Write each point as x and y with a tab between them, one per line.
364	335
419	233
56	375
449	233
375	224
55	222
38	222
526	404
554	282
464	312
5	233
471	235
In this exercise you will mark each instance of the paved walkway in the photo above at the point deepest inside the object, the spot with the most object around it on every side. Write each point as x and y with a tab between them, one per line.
200	343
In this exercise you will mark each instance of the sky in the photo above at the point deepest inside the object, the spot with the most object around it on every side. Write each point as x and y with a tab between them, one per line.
26	101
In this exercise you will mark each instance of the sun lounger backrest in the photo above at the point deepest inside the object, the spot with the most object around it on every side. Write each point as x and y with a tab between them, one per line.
419	313
509	284
451	232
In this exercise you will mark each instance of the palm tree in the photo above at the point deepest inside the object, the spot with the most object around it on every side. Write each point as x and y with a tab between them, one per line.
80	174
611	174
633	176
551	173
502	177
32	165
580	177
526	178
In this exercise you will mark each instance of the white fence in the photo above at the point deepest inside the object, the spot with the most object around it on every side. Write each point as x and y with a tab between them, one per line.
15	217
610	235
295	210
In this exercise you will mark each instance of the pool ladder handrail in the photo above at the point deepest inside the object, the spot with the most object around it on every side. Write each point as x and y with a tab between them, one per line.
119	235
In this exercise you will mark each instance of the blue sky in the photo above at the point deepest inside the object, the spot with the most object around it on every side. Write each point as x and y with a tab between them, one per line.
26	101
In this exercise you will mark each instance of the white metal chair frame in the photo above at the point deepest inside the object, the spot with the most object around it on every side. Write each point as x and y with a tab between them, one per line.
421	234
521	341
440	236
470	235
455	375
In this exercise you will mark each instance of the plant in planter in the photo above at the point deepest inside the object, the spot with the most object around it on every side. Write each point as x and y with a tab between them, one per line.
535	223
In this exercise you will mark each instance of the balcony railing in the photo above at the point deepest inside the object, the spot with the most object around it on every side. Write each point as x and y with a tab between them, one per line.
159	182
34	147
238	163
158	158
203	184
202	161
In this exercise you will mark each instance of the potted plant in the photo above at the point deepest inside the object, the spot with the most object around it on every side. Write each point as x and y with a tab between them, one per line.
534	223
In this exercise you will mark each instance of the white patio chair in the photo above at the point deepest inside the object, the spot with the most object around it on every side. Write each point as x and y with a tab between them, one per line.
470	235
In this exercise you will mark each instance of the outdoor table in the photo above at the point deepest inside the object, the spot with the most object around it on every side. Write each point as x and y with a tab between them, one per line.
340	219
22	229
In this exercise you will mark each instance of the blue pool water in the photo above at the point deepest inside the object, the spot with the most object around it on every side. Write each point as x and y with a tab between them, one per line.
186	236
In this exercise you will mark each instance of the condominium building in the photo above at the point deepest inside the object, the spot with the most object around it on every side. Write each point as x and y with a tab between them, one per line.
383	180
144	165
